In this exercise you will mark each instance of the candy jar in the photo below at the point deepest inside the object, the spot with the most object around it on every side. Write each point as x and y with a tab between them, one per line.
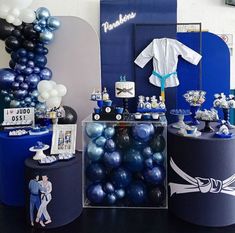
141	102
154	103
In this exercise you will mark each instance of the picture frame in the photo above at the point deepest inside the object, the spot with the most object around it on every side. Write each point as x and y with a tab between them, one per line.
230	2
64	139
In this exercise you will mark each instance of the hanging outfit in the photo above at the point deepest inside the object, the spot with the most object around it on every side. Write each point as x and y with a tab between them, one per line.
165	54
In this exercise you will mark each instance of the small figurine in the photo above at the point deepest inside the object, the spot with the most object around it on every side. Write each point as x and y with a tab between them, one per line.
154	103
141	102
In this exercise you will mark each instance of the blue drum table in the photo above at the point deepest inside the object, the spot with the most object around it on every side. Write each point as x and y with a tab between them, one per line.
13	152
202	178
54	192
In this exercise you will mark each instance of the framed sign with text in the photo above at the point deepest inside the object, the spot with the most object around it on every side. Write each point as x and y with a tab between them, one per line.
18	116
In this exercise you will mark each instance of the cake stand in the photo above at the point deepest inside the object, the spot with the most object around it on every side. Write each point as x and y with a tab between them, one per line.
207	128
39	152
180	113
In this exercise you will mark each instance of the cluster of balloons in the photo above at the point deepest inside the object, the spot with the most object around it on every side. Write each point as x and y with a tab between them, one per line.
17	11
51	93
28	58
125	165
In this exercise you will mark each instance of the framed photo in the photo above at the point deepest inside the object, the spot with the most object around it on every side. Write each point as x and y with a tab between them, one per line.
64	139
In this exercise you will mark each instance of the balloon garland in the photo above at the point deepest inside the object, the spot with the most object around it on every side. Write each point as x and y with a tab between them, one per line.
26	34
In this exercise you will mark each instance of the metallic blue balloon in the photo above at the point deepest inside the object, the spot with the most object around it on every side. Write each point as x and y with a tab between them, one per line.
147	152
95	193
136	193
32	80
15	85
15	104
53	23
37	28
139	145
22	103
7	99
111	199
30	55
158	143
20	68
46	74
94	152
110	145
30	64
42	23
95	172
121	178
133	160
21	52
41	106
109	132
142	132
42	13
100	141
46	36
32	104
109	188
7	77
24	86
4	92
120	193
158	158
155	175
28	100
113	159
36	70
149	163
20	94
23	60
94	130
19	78
28	71
40	60
34	94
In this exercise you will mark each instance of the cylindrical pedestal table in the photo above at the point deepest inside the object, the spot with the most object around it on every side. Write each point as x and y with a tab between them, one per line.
54	192
201	178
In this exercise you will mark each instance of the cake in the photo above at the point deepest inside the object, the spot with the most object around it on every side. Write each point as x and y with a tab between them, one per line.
125	89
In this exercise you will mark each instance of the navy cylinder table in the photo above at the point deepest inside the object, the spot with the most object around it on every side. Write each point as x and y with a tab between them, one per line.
54	192
201	178
13	152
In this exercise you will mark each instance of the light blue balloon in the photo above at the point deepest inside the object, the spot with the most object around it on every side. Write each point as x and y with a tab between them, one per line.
94	130
32	104
109	132
37	28
94	152
53	23
4	92
42	13
100	141
15	104
28	100
35	94
42	23
7	99
40	106
46	36
120	193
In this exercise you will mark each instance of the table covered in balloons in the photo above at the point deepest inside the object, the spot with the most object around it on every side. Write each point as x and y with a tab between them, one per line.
13	152
124	163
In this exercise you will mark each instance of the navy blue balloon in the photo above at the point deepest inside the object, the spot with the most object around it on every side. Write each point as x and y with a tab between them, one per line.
46	74
120	193
7	77
110	145
30	64
19	78
100	141
95	193
12	64
155	176
110	199
138	144
108	188
147	152
20	68
133	160
158	158
15	56
143	132
136	193
15	85
30	55
94	152
157	195
36	70
22	61
113	159
109	132
121	178
20	94
149	163
158	143
32	80
45	51
24	86
40	61
95	172
28	71
21	52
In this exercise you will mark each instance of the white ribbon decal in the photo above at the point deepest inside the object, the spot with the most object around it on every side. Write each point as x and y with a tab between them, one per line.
198	184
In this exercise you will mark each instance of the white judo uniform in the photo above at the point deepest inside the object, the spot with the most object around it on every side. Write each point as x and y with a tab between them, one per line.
165	52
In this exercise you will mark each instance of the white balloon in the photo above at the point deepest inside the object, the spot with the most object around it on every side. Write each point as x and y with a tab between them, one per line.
54	93
21	4
44	86
45	95
27	15
17	22
10	18
53	83
41	100
15	12
54	102
4	9
62	90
